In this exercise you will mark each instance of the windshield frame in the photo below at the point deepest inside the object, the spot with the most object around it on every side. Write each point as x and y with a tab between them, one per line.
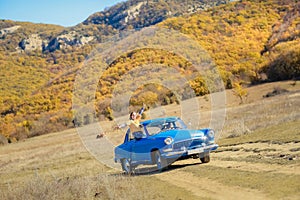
164	125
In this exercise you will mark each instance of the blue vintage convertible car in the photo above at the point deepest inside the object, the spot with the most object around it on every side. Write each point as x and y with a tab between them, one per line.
162	142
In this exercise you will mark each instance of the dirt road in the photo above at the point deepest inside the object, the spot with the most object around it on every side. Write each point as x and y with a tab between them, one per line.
245	171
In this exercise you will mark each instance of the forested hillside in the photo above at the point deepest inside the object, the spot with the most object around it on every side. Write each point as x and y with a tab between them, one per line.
250	41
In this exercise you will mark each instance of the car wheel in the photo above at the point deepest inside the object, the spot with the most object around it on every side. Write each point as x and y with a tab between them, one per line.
126	166
161	163
205	158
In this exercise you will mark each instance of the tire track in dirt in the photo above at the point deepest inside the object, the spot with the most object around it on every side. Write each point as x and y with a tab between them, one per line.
260	151
257	167
207	188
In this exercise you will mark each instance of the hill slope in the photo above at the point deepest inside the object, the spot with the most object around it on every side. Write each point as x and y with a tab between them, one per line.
38	98
262	164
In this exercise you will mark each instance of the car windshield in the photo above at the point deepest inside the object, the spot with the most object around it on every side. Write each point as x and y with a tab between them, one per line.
159	126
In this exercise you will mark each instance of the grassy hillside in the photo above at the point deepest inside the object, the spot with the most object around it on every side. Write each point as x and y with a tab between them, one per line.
249	41
250	166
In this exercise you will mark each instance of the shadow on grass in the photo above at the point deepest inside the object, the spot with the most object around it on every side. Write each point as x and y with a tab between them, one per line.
152	170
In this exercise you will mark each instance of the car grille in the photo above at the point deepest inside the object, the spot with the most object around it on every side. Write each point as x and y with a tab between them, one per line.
196	142
179	145
187	143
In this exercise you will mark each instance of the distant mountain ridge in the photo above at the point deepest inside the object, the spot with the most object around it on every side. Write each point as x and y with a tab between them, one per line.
142	13
132	14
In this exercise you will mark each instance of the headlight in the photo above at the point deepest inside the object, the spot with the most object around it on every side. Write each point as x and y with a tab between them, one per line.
168	140
211	134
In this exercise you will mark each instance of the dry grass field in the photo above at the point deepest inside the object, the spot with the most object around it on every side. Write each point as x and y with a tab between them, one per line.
258	158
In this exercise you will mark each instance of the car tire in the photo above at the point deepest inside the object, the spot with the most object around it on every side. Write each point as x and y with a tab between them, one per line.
160	162
126	166
205	158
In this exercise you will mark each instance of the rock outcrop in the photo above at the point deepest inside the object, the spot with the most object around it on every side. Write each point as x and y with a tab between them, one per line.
34	42
69	39
6	31
133	12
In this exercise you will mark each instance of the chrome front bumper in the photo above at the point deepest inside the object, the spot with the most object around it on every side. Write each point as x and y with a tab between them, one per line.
187	152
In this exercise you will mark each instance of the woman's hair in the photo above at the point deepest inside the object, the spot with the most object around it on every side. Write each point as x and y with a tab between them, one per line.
131	114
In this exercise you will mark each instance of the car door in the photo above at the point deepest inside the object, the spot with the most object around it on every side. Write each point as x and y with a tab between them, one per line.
141	150
125	150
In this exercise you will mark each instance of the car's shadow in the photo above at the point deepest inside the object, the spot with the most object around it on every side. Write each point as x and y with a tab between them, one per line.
152	170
